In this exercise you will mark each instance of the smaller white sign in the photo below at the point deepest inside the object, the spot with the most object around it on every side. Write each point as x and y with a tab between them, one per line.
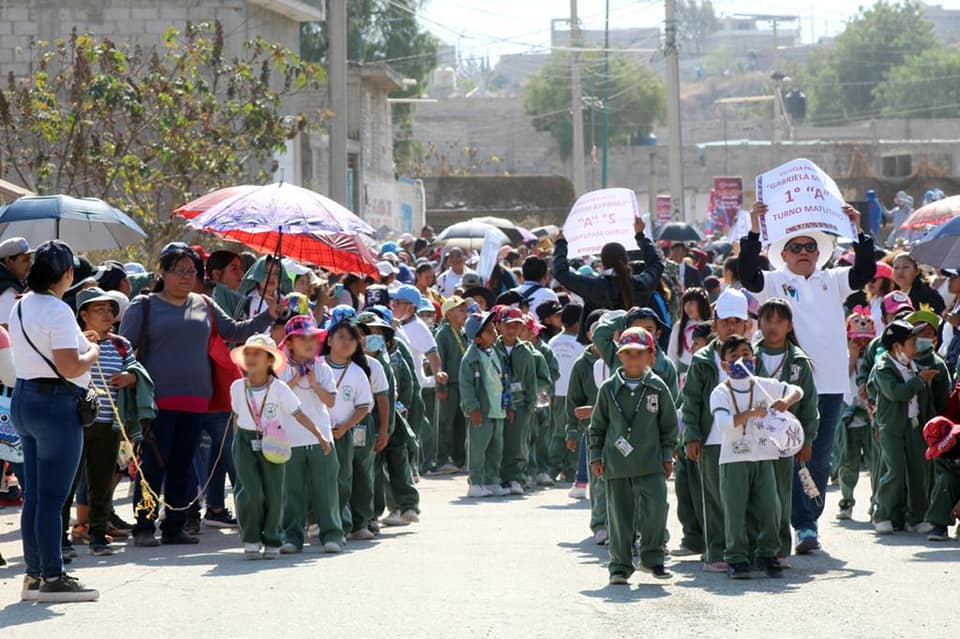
489	253
801	198
600	217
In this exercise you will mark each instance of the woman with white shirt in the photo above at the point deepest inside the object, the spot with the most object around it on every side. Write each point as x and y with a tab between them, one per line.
53	360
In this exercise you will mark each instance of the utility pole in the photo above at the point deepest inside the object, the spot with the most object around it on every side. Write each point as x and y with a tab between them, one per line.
337	90
675	141
606	95
577	105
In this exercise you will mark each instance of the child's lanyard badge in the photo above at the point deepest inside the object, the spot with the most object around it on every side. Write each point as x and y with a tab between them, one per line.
743	445
623	443
257	414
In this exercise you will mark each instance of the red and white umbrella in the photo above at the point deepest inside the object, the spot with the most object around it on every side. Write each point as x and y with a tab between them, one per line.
933	214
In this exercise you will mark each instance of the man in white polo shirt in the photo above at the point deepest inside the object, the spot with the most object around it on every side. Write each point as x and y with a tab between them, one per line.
816	297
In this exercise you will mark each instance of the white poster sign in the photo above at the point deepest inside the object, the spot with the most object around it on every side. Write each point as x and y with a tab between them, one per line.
801	198
600	217
489	254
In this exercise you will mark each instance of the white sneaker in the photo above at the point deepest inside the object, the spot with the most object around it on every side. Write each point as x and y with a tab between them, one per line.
717	566
394	519
410	516
578	491
271	552
601	536
362	535
332	547
544	479
883	527
251	551
922	528
516	488
619	580
496	490
844	514
477	491
288	548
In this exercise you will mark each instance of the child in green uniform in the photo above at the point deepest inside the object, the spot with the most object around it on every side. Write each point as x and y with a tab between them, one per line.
941	437
633	430
581	396
449	453
903	404
779	358
702	441
484	404
548	372
521	373
614	322
747	481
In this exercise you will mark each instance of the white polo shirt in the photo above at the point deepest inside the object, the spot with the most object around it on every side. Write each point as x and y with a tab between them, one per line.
818	320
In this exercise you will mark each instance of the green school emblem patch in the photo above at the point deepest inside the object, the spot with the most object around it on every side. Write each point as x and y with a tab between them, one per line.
347	392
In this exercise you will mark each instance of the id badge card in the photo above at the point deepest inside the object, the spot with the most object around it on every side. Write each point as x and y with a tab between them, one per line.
256	445
623	446
360	436
742	446
516	387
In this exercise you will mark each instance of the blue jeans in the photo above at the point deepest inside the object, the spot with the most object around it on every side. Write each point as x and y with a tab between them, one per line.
583	473
804	512
169	445
46	417
215	425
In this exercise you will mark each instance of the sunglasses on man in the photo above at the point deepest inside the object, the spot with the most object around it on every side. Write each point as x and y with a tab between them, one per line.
798	247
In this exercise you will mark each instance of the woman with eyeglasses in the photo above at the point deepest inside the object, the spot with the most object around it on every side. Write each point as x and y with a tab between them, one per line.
816	297
170	330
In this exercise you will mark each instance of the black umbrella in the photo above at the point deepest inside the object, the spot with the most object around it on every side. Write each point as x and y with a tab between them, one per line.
679	232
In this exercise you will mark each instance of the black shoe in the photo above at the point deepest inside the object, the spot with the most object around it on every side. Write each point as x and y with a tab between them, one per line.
739	571
939	533
119	523
68	552
145	540
192	527
658	571
66	589
808	544
771	566
179	538
220	519
99	547
3	562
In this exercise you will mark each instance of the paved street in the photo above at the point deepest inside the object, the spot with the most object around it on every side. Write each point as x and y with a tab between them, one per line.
519	567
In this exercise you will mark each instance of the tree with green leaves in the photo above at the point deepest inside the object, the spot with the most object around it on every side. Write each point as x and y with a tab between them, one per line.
149	129
695	21
840	83
384	31
636	98
925	86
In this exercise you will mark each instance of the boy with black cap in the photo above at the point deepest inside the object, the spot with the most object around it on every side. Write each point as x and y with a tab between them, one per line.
902	404
484	402
566	348
633	431
549	315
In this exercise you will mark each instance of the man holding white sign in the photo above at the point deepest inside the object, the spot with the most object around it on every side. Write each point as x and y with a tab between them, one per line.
799	246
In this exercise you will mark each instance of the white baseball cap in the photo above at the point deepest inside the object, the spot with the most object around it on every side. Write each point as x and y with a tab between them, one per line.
14	246
732	303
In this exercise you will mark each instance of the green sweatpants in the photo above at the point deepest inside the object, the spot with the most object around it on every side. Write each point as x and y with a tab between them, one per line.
259	498
783	476
712	503
394	487
540	433
485	451
343	447
858	443
310	485
905	484
598	502
451	430
686	483
361	497
421	432
516	434
631	500
876	467
428	435
561	459
946	492
749	489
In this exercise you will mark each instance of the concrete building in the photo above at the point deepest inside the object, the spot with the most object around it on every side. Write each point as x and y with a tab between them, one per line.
946	22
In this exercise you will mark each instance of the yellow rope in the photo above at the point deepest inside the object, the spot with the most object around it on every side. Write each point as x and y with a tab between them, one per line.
150	498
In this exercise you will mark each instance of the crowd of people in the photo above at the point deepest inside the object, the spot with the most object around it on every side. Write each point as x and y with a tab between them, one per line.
325	399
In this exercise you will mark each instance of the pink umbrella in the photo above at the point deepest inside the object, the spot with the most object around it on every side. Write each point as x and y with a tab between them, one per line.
933	214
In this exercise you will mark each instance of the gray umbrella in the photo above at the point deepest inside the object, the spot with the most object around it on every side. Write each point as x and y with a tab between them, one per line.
470	234
86	224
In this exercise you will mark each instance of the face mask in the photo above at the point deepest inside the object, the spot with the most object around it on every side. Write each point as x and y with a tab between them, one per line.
375	343
741	369
924	345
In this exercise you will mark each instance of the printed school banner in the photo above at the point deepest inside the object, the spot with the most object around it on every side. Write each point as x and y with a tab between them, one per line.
600	217
801	198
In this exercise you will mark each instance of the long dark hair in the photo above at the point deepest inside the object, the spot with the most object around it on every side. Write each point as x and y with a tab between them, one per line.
698	295
614	256
778	307
358	357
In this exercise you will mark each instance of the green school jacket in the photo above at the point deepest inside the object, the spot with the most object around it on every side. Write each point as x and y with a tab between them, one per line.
450	350
869	358
481	383
136	404
654	427
615	322
702	377
938	389
553	366
582	391
893	396
522	364
797	370
407	355
391	362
